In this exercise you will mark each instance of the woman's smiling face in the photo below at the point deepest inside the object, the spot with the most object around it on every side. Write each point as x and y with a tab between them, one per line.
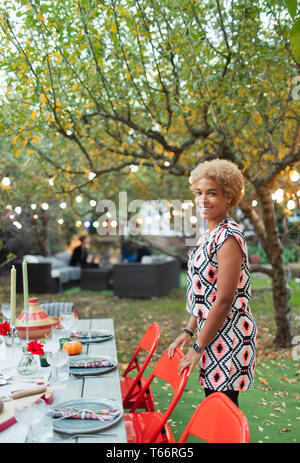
210	200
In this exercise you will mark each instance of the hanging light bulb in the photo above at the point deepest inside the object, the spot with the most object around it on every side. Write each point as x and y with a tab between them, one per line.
291	204
33	206
63	205
134	168
93	203
294	176
92	175
45	206
6	181
78	199
18	210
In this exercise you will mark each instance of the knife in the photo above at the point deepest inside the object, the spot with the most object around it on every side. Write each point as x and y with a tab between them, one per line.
23	393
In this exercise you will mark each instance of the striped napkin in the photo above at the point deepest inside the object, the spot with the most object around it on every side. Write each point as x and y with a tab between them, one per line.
82	334
92	364
84	414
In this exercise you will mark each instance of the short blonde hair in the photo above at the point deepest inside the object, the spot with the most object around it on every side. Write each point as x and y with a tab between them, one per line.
226	174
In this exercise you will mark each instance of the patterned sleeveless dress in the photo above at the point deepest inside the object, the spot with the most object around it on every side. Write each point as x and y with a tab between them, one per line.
228	362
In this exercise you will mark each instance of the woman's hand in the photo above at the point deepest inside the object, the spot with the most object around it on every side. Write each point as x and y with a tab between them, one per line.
182	341
190	360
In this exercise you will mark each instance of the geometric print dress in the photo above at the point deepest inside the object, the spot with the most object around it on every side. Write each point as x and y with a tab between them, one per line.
228	362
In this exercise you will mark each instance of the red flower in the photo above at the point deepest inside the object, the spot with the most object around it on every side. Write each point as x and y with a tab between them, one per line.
35	348
4	328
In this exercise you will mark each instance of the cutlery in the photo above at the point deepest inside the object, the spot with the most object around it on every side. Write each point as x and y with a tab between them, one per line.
23	393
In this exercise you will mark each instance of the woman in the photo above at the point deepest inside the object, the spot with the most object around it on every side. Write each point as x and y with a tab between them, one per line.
219	287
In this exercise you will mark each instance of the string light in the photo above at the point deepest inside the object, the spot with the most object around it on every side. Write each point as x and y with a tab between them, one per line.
294	176
60	221
6	181
87	224
93	203
92	175
114	223
78	223
96	224
33	206
78	199
278	195
134	168
291	204
254	203
63	205
18	210
45	206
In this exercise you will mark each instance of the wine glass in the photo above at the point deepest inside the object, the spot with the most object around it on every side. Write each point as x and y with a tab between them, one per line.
30	414
57	360
63	367
68	321
6	312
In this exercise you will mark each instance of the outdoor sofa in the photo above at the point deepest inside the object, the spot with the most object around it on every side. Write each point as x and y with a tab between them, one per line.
153	277
48	274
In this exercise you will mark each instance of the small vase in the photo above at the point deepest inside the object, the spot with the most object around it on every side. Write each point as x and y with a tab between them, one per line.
28	365
12	339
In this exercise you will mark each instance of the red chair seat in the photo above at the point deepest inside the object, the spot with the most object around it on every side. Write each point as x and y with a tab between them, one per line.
140	426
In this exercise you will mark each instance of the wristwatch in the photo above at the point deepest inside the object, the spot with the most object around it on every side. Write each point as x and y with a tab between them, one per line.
197	348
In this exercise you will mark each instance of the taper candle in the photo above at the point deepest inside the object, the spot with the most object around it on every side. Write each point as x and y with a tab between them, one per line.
25	284
13	296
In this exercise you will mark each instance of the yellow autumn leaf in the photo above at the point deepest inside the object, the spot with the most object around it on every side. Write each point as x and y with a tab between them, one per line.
33	114
74	87
113	28
43	98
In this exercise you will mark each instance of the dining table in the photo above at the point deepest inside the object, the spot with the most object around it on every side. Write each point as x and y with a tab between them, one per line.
104	386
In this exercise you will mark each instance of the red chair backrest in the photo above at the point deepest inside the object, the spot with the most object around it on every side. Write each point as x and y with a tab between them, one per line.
218	420
167	370
148	342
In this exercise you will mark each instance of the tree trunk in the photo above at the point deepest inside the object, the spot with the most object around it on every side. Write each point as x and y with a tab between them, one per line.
270	241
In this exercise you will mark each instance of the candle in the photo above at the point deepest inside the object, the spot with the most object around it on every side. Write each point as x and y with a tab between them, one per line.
13	296
25	285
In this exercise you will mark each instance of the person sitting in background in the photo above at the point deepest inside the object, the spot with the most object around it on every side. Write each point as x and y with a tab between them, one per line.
128	252
80	255
141	252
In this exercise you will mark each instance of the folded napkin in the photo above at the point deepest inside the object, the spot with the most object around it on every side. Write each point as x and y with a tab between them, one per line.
84	414
82	334
91	364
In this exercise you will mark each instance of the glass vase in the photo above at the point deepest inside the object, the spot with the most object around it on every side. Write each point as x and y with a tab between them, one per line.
28	364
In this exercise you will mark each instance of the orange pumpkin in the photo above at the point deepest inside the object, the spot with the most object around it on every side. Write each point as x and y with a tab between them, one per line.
72	347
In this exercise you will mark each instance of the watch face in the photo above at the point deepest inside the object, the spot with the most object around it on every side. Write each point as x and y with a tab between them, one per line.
197	347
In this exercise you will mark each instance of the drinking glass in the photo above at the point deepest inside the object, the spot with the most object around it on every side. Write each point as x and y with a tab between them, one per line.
31	414
63	368
5	310
58	360
68	321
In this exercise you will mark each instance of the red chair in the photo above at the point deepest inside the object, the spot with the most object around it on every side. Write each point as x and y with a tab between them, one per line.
152	427
132	386
218	420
